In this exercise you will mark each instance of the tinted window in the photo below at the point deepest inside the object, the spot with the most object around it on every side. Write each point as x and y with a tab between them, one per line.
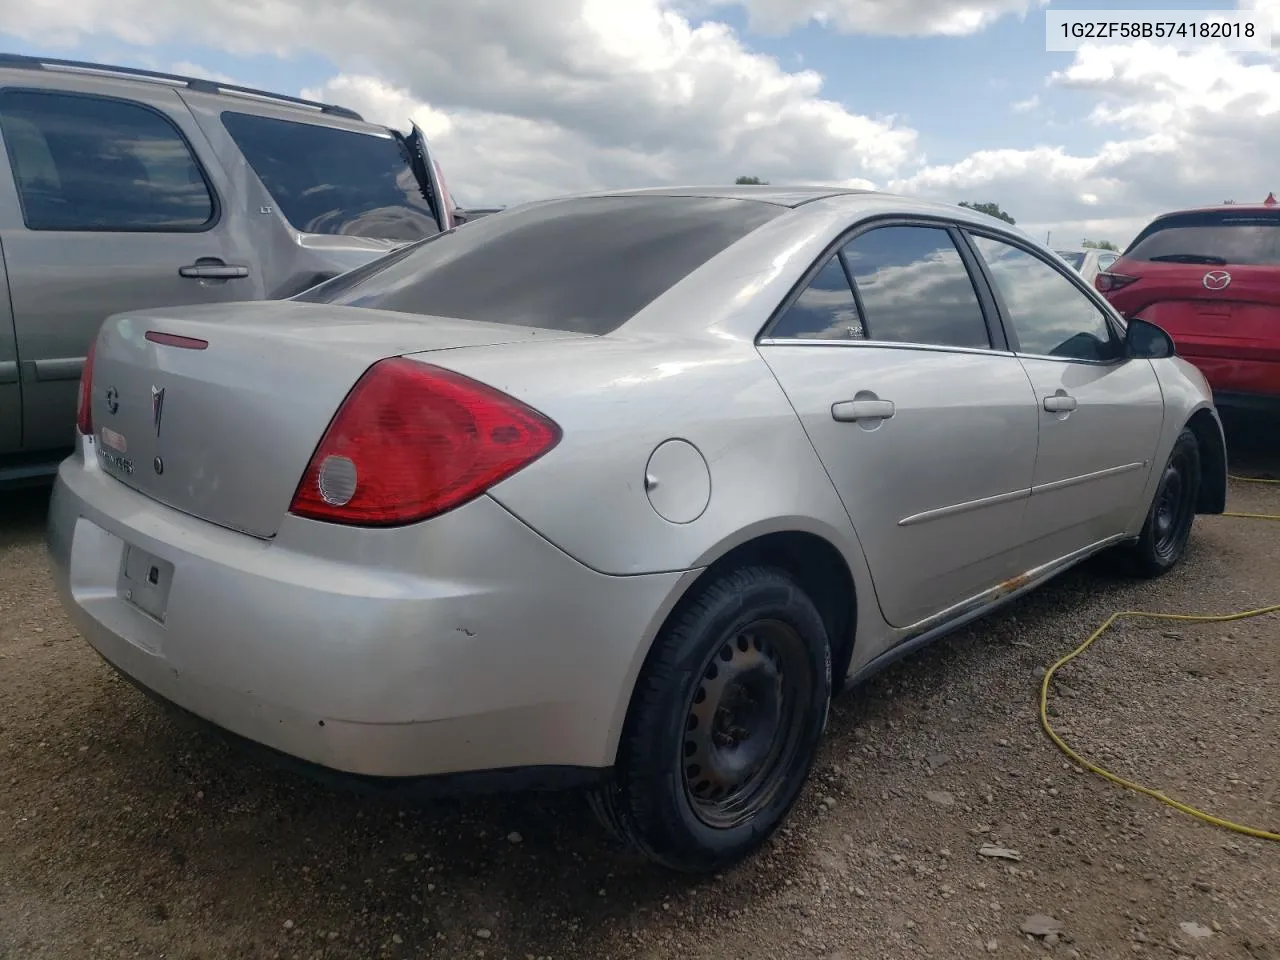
915	288
1051	316
1072	257
1252	238
333	181
586	264
91	163
825	309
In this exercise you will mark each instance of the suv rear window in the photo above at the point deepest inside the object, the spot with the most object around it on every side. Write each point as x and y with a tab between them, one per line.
1073	257
326	180
1239	238
586	264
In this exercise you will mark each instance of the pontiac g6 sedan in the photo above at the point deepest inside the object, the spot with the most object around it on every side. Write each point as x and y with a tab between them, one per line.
616	490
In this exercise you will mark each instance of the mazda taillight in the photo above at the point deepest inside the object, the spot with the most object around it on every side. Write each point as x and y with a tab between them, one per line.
1107	282
84	399
412	441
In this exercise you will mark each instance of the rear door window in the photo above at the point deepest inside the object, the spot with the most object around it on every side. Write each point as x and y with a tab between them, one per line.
1208	237
824	310
87	163
586	264
331	181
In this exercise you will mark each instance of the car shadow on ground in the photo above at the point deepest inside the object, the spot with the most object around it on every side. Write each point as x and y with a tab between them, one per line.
22	514
1253	444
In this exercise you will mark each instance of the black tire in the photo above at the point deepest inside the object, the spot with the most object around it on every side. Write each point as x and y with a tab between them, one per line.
739	681
1164	536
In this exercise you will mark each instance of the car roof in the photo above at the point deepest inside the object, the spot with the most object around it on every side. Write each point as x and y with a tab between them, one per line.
798	195
783	195
1222	208
15	61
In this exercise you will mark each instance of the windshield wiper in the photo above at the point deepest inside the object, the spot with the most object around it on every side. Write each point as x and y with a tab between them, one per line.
1189	258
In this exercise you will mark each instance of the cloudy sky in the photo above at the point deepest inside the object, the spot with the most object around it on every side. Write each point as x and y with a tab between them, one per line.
954	99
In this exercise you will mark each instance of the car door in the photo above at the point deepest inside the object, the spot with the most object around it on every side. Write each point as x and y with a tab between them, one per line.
110	209
1100	413
10	392
924	421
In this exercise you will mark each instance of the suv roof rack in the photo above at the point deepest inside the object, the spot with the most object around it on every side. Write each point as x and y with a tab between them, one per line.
192	83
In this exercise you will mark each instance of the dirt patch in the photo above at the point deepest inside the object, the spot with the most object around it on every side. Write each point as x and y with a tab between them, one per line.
123	834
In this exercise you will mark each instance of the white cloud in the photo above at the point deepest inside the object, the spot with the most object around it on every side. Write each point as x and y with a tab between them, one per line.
533	99
188	69
886	17
525	100
1186	129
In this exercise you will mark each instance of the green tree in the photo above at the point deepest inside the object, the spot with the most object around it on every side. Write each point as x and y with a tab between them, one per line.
991	209
1100	245
750	181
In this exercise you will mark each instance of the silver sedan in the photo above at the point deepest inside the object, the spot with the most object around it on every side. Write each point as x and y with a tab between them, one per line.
616	490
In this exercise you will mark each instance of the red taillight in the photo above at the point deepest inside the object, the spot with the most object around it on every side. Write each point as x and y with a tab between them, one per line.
84	400
1108	282
176	340
412	441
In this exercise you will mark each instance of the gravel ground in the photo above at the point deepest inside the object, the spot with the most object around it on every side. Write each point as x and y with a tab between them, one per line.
123	834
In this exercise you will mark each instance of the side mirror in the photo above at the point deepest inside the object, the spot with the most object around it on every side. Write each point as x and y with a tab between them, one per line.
1146	341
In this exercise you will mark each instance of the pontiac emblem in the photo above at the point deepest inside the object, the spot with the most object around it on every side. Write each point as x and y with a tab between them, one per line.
1216	280
157	407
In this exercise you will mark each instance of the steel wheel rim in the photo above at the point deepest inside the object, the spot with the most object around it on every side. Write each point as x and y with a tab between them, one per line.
744	722
1172	507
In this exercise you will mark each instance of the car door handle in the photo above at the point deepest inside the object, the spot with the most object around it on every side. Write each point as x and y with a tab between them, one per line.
851	411
1059	403
213	270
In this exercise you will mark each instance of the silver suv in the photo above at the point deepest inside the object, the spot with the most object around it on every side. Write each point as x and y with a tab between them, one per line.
122	189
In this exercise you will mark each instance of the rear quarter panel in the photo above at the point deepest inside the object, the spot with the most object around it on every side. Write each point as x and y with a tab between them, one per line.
617	400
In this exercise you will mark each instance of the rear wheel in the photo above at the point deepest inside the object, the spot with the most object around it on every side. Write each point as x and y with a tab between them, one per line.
1165	533
724	724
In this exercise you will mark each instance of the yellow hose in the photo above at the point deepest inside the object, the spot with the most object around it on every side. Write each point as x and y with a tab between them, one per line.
1252	516
1141	614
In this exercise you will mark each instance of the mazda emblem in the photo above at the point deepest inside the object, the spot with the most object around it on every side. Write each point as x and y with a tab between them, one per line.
1216	280
113	400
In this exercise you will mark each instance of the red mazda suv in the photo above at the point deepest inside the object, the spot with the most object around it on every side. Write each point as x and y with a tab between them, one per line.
1211	278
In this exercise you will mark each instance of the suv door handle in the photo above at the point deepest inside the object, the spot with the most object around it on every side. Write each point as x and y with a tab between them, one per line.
211	268
851	411
1059	403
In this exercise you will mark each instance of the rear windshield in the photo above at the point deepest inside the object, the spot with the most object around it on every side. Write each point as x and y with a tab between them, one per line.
1075	259
585	265
1246	238
326	180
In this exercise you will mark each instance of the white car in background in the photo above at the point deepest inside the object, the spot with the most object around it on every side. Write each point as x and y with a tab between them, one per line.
1089	261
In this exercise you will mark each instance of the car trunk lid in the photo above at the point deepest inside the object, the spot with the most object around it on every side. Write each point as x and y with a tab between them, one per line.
216	411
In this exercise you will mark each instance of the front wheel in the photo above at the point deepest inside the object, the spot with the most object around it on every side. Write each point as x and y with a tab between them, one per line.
724	723
1167	529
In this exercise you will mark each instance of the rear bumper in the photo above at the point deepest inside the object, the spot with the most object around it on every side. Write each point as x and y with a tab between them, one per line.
464	644
1244	374
1247	402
